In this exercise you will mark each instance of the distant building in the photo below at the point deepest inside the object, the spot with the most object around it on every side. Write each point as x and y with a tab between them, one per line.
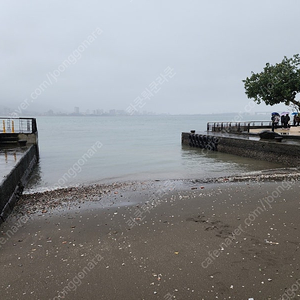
98	112
49	113
76	110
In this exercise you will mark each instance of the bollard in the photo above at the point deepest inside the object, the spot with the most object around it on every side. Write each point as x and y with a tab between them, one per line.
12	126
4	127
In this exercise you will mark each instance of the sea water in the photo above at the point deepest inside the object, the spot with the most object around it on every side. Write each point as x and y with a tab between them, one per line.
101	149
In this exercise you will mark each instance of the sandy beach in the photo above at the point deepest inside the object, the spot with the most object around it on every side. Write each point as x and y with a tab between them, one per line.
229	238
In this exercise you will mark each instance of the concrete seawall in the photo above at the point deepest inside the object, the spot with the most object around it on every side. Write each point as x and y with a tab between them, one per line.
17	134
12	185
285	152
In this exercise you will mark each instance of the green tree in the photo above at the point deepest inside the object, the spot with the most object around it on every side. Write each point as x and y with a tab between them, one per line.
276	84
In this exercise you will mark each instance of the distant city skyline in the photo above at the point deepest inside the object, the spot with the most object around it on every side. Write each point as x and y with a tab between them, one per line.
6	111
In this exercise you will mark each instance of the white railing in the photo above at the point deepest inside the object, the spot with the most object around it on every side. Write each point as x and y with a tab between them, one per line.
237	126
18	125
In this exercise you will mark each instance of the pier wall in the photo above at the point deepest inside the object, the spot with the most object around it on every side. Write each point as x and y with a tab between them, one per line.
12	185
288	154
16	132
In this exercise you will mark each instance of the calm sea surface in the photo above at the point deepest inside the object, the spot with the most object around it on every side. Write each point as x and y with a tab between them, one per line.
75	150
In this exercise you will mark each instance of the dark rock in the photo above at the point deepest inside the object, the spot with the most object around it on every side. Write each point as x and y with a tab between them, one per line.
270	135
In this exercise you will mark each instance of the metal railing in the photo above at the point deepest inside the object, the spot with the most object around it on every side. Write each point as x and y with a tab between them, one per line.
18	125
237	126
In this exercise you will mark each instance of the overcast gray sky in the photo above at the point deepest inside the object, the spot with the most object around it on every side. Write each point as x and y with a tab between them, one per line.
210	45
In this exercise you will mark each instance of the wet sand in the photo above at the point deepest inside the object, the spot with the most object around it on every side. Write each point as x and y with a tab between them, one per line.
221	239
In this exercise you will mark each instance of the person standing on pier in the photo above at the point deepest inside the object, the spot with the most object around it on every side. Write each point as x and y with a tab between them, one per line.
286	121
282	120
275	121
297	120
